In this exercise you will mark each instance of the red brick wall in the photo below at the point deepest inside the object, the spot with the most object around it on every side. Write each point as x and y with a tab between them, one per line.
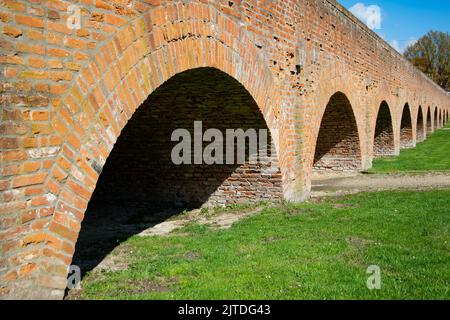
406	129
429	122
338	145
436	118
384	144
142	153
67	94
421	125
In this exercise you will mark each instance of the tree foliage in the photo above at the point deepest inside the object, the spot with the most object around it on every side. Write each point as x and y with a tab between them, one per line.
431	55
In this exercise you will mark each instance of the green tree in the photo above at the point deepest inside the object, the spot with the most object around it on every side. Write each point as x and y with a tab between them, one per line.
431	55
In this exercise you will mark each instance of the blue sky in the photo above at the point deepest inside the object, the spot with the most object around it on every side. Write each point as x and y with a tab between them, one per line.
401	22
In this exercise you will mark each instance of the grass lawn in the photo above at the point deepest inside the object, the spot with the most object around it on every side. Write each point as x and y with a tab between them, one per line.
307	251
430	155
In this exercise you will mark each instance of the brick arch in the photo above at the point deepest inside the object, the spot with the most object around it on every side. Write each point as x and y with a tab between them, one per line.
131	52
435	117
338	145
106	93
382	94
406	127
414	109
436	108
429	121
336	78
142	154
383	133
420	125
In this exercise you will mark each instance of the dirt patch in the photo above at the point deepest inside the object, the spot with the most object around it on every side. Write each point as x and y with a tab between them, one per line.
344	206
117	260
226	220
146	285
271	239
192	256
163	228
343	184
219	221
74	294
358	241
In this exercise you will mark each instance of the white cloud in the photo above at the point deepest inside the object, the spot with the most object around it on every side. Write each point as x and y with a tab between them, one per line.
410	42
396	45
401	46
370	15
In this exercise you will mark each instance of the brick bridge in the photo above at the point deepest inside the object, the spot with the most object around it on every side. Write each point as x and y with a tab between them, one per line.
334	92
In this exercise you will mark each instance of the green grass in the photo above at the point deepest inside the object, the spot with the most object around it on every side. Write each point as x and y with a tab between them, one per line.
307	251
430	155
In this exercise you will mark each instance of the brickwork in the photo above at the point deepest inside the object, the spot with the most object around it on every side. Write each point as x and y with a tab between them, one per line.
406	129
143	151
384	144
421	126
429	122
338	145
67	94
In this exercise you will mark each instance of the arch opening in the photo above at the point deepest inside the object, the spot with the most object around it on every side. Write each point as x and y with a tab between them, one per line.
436	119
384	135
406	132
429	122
141	186
338	143
420	132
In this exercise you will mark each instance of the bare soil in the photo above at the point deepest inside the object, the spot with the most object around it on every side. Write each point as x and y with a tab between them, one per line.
341	184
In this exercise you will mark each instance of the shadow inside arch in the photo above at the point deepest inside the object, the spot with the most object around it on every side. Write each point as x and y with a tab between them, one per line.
141	187
338	145
384	133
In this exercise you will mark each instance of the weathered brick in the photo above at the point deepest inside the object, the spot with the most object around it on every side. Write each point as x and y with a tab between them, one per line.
9	143
69	95
30	21
63	231
12	31
115	20
30	48
34	239
31	166
14	5
29	180
27	269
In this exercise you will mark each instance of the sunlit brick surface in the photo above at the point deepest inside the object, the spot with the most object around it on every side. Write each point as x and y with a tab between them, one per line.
67	94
